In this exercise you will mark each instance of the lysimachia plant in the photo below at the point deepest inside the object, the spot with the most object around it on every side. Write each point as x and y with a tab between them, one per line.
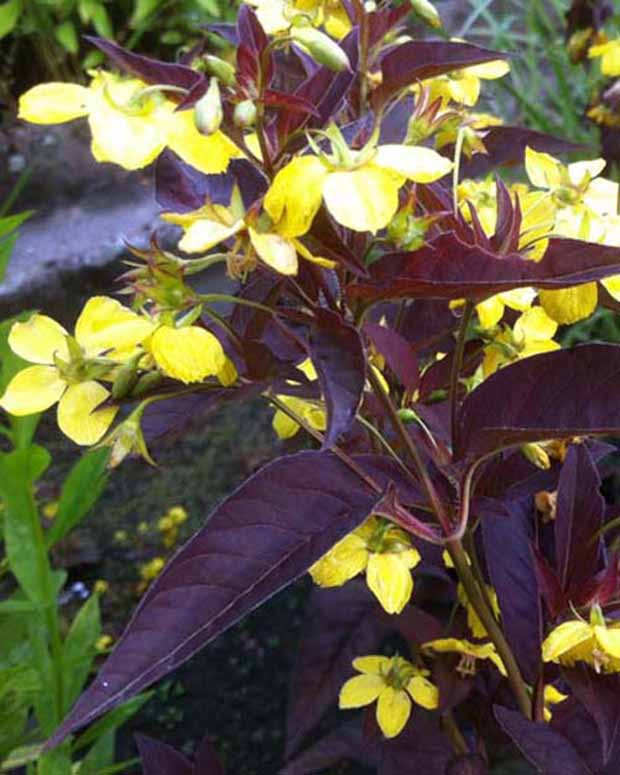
398	303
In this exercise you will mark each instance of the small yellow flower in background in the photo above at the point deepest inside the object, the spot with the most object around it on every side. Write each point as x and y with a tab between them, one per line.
68	368
597	643
551	697
50	510
393	682
130	126
463	86
359	188
100	587
168	525
478	629
471	653
120	536
188	354
609	54
383	551
276	16
313	412
177	514
104	642
150	570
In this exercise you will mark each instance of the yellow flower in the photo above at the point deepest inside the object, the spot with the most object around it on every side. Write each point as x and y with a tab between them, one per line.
393	682
152	569
313	412
188	354
597	643
551	696
532	334
177	515
276	16
463	86
104	642
68	368
609	54
381	549
359	188
129	125
478	629
471	653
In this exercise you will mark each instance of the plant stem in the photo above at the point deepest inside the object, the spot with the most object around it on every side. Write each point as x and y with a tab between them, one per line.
452	731
411	448
485	614
457	365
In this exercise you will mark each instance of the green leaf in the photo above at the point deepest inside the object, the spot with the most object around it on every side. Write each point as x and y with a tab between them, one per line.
55	762
80	491
22	530
10	223
112	720
6	251
78	650
102	23
101	755
9	16
67	36
142	10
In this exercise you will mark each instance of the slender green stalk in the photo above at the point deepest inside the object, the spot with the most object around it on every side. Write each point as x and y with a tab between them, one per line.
457	365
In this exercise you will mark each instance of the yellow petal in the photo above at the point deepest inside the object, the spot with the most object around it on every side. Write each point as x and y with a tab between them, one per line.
277	252
564	638
543	170
78	416
33	390
534	324
490	70
393	711
372	664
423	692
228	374
609	640
365	199
54	103
578	170
490	311
569	305
360	690
422	165
204	234
106	325
295	195
188	354
612	286
343	562
210	154
284	426
38	340
602	197
390	581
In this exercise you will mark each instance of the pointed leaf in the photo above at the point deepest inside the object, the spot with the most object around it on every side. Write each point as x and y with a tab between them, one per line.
420	748
553	395
255	543
514	578
448	268
600	696
161	759
339	627
548	750
579	515
337	353
346	742
206	760
397	352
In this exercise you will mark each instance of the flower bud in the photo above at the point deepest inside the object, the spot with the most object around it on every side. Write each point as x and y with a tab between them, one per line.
427	12
220	69
407	416
536	454
127	439
208	113
146	383
321	48
126	377
245	114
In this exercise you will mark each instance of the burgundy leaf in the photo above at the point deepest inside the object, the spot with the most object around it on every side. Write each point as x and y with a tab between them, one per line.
292	102
579	515
162	759
548	585
420	59
513	576
145	68
549	751
397	352
181	188
337	353
381	21
259	540
420	748
600	696
468	764
553	395
448	268
206	760
346	742
507	144
437	376
339	627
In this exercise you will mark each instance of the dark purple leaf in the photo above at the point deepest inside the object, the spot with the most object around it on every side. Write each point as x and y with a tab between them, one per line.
337	353
548	584
291	102
420	748
437	376
427	324
572	721
259	540
206	760
448	268
162	759
346	742
145	68
513	576
507	144
339	627
381	21
549	751
600	696
397	352
181	188
226	30
579	515
249	30
469	764
420	59
553	395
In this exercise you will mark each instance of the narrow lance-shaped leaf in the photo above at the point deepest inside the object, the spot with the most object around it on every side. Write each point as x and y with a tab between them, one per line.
337	353
553	395
257	541
579	515
448	268
161	759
